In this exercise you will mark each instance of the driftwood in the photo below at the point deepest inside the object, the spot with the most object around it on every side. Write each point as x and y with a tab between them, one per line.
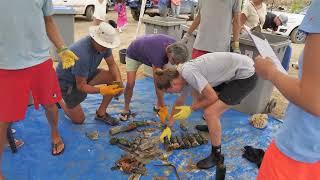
192	140
204	139
131	126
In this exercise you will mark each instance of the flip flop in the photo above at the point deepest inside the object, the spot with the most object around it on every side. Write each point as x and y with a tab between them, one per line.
54	146
124	116
19	143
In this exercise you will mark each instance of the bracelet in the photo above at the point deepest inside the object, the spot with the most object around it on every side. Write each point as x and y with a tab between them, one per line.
63	48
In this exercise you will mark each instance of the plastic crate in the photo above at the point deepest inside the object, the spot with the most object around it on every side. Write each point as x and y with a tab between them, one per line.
259	99
163	25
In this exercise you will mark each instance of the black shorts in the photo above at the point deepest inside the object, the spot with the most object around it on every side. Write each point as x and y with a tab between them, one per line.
72	96
231	93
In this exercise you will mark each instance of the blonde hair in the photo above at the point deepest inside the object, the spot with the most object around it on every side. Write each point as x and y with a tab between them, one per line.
164	77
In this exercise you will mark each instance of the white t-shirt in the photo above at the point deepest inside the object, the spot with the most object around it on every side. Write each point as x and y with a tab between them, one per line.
100	9
214	32
215	69
254	17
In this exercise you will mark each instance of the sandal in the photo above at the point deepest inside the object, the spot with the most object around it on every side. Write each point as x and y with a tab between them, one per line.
19	143
107	119
124	116
156	110
54	147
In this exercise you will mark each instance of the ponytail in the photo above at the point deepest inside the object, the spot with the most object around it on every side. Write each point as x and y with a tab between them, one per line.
164	77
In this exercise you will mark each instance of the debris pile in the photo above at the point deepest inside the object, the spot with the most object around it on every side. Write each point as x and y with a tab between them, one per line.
130	165
259	121
184	141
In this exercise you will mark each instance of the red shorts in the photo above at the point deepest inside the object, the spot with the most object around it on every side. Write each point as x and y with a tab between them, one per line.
196	53
16	86
276	165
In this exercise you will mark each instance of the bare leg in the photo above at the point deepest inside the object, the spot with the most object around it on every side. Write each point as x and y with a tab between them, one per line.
131	78
76	114
212	115
103	77
52	116
3	136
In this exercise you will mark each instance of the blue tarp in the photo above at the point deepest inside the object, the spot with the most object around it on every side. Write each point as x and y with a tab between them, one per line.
86	159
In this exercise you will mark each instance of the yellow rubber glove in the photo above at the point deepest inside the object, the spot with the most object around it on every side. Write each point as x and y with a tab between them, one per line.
236	47
110	90
184	113
165	133
163	114
67	57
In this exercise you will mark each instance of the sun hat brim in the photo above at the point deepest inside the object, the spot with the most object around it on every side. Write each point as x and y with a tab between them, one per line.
95	37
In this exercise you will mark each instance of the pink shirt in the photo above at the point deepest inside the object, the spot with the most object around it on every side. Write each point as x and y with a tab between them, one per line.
176	2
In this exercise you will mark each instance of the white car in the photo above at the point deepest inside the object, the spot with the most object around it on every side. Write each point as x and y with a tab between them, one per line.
292	28
81	7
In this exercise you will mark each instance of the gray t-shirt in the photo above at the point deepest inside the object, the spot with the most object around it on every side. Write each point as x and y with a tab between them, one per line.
215	27
216	68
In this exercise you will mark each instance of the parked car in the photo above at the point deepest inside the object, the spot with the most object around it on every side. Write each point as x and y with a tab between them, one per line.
135	6
187	7
292	27
81	7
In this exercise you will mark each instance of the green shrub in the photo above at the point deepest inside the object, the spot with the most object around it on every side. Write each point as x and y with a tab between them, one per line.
297	5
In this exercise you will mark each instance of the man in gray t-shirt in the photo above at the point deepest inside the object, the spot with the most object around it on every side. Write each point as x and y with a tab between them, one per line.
218	81
215	69
215	20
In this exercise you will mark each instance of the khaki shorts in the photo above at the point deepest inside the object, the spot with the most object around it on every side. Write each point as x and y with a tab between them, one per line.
132	65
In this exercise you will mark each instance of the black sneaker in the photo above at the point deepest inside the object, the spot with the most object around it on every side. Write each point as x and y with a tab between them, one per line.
202	128
210	161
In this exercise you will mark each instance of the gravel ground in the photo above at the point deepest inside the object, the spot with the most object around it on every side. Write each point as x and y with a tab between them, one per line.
81	30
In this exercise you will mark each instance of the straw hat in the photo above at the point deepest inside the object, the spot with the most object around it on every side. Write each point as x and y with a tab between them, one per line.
105	35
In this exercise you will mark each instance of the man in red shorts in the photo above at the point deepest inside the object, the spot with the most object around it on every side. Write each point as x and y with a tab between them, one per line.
26	66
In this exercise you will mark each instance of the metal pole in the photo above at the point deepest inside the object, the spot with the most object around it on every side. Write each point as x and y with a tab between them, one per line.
142	9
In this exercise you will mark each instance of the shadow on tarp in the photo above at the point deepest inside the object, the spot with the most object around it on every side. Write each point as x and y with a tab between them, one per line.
86	159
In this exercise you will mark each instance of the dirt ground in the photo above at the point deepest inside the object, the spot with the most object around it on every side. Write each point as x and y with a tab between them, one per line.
81	30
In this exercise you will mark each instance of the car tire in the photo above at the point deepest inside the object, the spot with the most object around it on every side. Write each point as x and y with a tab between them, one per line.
135	14
298	36
89	13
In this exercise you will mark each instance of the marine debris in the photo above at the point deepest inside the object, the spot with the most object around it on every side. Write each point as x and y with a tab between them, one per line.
131	126
259	121
94	135
184	142
130	165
